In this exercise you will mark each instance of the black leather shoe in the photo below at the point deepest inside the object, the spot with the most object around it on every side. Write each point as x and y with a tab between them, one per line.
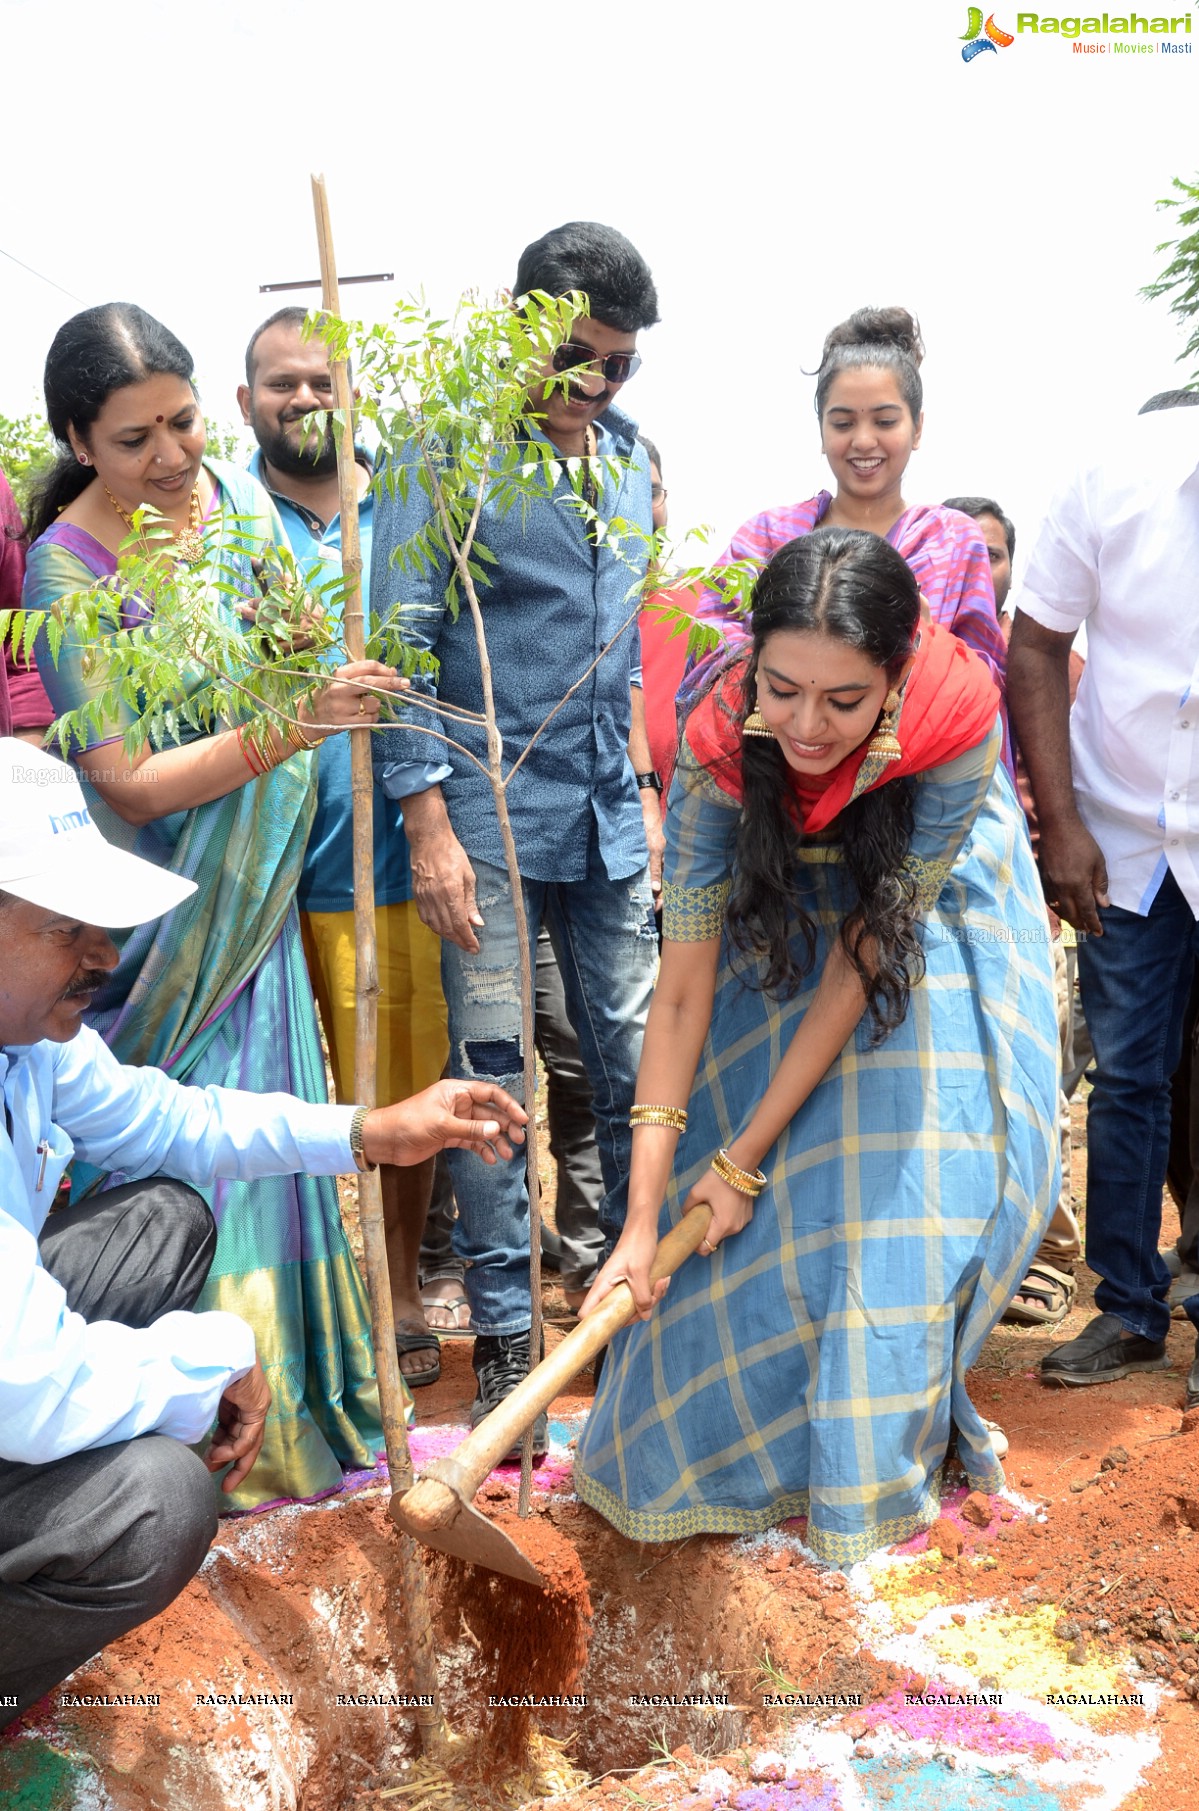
501	1361
551	1248
1103	1351
1192	1401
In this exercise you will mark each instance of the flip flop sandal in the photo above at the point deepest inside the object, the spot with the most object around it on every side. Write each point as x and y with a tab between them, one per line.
419	1342
452	1304
1053	1294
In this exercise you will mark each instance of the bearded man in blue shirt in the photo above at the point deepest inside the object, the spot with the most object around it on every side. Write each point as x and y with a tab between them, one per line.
584	807
106	1378
285	401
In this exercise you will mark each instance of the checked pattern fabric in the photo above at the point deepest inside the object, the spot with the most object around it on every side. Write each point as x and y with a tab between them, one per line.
817	1363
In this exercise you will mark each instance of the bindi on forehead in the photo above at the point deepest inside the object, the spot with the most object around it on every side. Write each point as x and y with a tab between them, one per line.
856	685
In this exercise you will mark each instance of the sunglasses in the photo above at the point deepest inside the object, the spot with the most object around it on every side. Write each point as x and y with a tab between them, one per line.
616	367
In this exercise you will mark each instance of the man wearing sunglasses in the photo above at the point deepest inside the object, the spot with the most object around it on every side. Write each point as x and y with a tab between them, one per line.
583	805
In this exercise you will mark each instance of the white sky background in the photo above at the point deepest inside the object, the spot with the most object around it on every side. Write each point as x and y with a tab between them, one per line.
777	164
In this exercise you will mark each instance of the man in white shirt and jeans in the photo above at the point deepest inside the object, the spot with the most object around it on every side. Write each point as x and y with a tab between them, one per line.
1116	784
106	1379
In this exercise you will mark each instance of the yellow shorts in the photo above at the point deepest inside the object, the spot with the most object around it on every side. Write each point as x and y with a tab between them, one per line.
413	1040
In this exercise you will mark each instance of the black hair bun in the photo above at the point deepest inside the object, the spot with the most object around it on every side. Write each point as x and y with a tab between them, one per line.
878	327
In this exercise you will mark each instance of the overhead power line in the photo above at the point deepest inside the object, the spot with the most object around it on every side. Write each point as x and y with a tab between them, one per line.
40	275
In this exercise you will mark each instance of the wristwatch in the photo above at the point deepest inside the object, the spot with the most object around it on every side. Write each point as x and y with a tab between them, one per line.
648	782
356	1150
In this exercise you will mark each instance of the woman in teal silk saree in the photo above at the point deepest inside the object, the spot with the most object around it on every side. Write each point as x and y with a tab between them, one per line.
217	992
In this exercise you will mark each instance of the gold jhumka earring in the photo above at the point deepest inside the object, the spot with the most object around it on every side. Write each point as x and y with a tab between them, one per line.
756	725
884	742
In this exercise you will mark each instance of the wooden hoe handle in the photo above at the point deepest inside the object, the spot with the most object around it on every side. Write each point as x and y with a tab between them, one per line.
465	1469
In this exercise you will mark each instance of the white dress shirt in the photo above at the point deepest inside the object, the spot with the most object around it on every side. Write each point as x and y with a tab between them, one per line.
1120	551
67	1384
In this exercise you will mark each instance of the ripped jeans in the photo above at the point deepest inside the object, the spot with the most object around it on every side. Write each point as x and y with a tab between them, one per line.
604	937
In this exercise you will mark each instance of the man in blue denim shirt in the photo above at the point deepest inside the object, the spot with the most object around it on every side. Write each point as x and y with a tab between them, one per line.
584	826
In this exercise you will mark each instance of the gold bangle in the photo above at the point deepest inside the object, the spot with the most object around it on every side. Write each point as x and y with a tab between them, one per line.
261	758
298	739
674	1117
746	1182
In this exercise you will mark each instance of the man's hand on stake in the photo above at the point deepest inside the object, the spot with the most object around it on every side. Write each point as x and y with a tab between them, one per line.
242	1417
451	1115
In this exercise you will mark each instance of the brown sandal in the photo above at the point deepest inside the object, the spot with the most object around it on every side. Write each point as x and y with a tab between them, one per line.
454	1306
1053	1293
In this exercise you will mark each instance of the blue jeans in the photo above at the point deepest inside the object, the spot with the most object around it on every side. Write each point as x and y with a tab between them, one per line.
604	938
572	1145
1135	981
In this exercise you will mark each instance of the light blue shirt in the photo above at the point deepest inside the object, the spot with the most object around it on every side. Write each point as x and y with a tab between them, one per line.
327	879
67	1384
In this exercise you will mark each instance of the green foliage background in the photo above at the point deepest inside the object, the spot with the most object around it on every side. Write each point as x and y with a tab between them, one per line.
26	449
1179	281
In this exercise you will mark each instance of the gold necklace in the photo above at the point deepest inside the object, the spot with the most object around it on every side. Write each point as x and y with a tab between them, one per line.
189	541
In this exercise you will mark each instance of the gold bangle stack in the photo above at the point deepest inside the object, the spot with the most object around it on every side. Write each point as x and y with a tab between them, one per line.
298	739
674	1117
746	1182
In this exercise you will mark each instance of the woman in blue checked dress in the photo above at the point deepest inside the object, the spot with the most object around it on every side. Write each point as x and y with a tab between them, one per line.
856	1007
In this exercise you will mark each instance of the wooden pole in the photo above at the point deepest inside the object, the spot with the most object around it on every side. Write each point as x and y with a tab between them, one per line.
434	1731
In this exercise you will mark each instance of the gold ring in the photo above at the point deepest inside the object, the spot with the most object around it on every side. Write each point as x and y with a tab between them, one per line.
362	707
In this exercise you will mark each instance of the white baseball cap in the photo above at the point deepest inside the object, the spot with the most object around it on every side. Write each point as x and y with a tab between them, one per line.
53	855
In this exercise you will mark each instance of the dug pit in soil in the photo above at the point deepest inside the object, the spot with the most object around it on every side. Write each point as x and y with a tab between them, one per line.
276	1686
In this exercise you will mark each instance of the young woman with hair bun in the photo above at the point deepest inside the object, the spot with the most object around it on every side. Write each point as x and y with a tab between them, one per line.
851	1059
869	403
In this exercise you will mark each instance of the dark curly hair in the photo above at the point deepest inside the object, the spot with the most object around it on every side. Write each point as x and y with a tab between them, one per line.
853	587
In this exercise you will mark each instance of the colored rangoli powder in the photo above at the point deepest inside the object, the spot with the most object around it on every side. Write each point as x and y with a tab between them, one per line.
1023	1654
552	1474
908	1586
909	1786
794	1795
40	1777
983	1728
971	1531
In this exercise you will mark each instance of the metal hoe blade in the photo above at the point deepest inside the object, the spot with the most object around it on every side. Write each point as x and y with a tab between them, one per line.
471	1537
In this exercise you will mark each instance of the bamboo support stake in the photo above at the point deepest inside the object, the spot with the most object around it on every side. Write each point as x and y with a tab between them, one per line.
434	1732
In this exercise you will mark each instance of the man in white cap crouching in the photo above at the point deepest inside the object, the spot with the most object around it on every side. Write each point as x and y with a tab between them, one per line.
106	1378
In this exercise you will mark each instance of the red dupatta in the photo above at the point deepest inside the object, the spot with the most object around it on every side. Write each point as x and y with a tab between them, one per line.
948	703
